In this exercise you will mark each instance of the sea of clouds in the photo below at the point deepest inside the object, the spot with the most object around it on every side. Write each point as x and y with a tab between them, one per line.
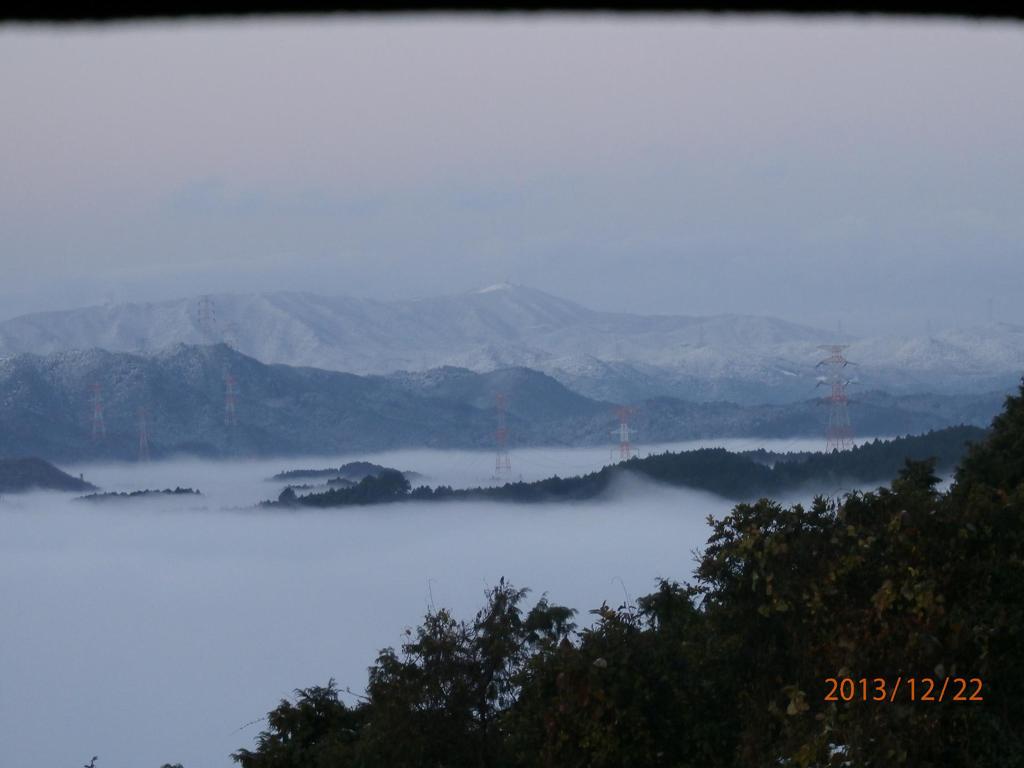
153	631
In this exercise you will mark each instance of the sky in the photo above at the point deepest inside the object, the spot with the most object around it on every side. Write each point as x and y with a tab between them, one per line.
842	171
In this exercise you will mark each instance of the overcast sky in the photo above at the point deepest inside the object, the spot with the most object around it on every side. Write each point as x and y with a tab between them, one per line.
868	172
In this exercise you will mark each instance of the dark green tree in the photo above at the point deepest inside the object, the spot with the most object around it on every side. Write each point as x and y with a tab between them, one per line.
448	691
316	731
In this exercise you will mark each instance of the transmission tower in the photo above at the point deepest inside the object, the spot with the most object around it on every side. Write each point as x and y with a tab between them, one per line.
143	436
839	435
206	319
502	462
99	426
625	433
230	394
229	335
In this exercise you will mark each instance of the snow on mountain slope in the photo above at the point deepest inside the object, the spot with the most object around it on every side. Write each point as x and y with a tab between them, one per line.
608	355
978	350
500	325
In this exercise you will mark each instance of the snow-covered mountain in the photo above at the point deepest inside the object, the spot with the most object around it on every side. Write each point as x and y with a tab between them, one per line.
606	355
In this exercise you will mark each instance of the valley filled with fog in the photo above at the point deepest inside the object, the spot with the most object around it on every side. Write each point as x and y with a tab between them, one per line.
154	630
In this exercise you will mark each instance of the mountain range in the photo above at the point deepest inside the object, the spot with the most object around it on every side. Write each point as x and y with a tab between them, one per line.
603	355
47	408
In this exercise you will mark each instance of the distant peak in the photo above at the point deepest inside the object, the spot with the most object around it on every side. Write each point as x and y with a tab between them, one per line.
497	287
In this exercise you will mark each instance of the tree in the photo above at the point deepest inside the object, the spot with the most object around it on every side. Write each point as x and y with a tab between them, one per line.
317	731
448	691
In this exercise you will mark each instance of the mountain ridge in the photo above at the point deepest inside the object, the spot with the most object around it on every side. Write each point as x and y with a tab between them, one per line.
46	408
603	355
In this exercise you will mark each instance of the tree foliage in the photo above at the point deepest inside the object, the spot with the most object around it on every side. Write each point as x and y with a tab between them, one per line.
317	731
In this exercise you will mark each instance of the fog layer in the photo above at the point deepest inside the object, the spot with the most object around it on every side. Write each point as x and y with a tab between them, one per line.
148	632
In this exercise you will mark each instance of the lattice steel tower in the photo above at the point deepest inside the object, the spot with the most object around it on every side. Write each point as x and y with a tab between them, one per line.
839	435
143	436
625	433
502	461
230	395
99	426
206	319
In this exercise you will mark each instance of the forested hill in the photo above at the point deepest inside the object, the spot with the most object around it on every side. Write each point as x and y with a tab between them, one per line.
46	409
17	475
737	476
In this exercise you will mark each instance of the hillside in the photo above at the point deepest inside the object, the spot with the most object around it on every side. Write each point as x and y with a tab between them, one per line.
46	409
603	355
31	474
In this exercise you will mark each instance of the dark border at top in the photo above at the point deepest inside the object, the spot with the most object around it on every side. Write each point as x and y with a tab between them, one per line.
114	10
